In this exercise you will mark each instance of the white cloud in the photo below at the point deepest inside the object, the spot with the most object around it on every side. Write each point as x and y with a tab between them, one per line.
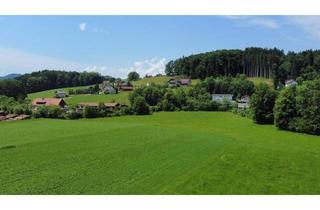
100	69
310	24
150	66
250	21
82	26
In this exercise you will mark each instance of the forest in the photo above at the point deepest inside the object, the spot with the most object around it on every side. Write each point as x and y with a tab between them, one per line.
253	61
51	79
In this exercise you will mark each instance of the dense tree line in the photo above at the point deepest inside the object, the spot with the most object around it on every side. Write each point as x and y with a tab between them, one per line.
12	88
50	79
298	108
11	106
253	62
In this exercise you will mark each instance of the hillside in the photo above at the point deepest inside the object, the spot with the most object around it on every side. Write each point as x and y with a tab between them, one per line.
10	76
122	97
165	153
158	80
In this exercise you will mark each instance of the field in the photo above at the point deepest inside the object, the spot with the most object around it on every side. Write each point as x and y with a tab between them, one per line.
164	153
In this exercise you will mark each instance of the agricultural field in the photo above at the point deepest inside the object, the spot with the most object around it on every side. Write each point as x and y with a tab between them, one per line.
164	153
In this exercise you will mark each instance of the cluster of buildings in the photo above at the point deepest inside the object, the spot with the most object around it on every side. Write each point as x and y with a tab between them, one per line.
80	107
179	82
242	103
108	88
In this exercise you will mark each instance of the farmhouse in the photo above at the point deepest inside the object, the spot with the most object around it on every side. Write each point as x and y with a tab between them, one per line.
221	97
48	102
108	105
179	82
106	87
88	104
290	82
60	94
125	86
173	83
243	103
185	82
111	105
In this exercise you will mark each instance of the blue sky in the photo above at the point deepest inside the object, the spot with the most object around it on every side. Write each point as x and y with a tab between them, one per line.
115	45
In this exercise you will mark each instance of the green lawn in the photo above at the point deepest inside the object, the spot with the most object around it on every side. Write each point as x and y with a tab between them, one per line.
164	153
258	80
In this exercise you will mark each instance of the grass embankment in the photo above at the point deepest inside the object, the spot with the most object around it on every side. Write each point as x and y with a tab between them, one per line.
165	153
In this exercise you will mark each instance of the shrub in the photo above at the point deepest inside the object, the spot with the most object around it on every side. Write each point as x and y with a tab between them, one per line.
91	112
140	106
72	114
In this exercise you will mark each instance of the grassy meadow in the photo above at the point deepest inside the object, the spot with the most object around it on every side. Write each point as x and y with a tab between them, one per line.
164	153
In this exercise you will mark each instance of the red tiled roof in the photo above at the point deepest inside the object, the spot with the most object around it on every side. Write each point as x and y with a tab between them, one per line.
48	102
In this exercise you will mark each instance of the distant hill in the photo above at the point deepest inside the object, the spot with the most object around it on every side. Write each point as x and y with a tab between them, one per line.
10	76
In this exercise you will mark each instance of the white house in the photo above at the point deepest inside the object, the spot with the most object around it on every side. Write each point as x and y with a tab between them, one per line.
221	97
106	87
61	94
290	82
243	103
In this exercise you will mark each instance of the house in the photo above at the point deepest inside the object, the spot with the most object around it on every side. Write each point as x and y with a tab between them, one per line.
106	87
290	82
60	94
108	105
125	86
173	83
48	102
185	82
243	103
112	105
179	82
82	105
221	97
